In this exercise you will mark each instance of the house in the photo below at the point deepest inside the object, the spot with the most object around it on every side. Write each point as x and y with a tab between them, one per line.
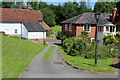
24	23
116	19
46	27
87	22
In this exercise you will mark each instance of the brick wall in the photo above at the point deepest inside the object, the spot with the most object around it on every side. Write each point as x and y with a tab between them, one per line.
37	40
71	33
78	29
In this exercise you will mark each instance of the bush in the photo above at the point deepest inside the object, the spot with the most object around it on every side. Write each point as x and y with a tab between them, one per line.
109	40
15	37
103	53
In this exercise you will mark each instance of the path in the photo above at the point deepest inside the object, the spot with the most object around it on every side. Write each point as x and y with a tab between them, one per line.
56	68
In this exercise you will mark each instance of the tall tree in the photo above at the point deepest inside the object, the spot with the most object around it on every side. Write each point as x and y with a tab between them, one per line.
7	4
48	16
118	6
104	7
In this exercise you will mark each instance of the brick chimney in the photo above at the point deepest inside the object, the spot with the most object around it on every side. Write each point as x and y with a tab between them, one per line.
114	15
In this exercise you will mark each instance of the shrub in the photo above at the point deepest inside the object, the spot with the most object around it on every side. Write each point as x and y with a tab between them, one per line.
15	37
103	53
109	40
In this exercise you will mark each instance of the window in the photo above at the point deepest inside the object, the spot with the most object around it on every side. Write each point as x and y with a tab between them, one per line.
92	40
66	27
87	28
15	30
107	28
100	28
70	27
112	28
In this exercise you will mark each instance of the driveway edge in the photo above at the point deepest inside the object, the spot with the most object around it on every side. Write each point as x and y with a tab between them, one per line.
72	66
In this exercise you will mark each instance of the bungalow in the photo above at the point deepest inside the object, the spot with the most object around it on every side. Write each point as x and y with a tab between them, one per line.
24	23
87	22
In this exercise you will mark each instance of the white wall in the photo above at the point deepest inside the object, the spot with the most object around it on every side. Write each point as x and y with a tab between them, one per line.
36	35
9	28
24	32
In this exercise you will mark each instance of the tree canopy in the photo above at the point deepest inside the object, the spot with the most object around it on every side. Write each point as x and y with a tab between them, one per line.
118	6
49	16
104	7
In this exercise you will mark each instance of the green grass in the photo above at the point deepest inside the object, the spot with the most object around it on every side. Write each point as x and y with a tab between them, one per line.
47	55
17	54
102	66
49	35
56	28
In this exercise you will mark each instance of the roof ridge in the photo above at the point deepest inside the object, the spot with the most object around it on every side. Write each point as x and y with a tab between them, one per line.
73	17
80	17
20	9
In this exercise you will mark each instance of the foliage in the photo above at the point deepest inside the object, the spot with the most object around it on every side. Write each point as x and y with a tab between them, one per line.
103	65
15	37
118	6
17	54
49	16
109	40
104	7
103	53
56	28
7	4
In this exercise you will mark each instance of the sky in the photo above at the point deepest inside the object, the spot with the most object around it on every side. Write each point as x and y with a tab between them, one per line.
57	3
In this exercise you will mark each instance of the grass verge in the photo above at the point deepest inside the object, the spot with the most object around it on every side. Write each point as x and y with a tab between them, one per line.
56	28
102	66
47	55
17	54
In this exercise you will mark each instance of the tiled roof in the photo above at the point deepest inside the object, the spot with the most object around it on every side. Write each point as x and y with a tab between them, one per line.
88	18
45	26
20	15
34	27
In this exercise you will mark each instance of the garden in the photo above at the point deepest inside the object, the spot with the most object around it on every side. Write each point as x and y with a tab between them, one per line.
80	51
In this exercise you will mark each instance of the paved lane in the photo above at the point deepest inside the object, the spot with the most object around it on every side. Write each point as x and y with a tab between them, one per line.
56	68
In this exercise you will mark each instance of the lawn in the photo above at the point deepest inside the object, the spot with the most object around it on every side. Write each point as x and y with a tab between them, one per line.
56	28
17	54
102	66
47	55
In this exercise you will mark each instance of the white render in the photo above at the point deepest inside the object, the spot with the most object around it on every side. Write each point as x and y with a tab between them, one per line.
9	29
101	35
36	35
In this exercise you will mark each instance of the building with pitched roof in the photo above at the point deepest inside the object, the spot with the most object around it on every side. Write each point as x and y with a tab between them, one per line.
87	22
24	23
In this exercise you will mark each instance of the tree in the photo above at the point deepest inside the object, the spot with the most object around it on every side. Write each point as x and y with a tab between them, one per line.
118	6
7	4
42	5
48	16
104	7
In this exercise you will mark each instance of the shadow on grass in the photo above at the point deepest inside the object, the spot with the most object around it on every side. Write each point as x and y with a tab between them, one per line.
116	65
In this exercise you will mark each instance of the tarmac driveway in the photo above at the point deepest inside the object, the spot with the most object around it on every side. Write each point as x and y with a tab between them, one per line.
56	68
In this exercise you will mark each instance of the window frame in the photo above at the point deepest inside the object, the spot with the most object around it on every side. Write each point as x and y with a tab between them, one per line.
108	29
100	28
113	28
87	26
66	27
70	27
16	31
